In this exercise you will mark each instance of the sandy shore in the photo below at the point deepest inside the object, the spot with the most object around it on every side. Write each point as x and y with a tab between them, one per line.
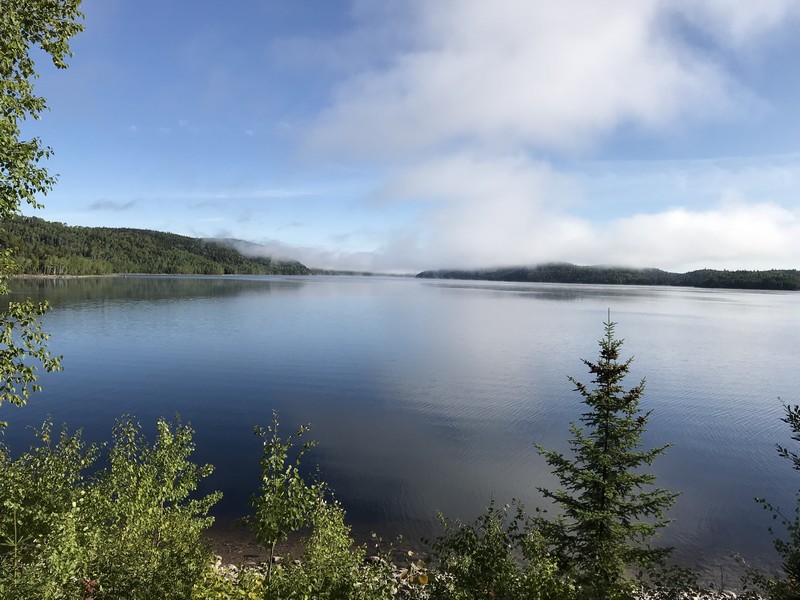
237	545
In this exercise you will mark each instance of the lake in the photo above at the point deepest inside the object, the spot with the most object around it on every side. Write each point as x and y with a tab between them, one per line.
429	395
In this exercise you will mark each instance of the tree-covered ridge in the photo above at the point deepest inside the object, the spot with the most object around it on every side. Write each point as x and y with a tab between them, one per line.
46	248
774	279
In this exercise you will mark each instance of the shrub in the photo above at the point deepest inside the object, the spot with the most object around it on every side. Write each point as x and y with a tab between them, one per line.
499	556
285	501
143	504
131	530
331	567
45	545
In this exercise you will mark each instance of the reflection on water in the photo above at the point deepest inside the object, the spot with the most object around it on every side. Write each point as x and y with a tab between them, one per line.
429	395
63	292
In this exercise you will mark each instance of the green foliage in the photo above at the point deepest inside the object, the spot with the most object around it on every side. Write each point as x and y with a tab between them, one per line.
143	502
787	587
773	279
21	342
24	26
46	248
284	502
328	565
216	584
610	507
498	556
131	530
42	524
331	567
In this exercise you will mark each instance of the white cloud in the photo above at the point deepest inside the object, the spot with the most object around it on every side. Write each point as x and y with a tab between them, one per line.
735	23
478	95
316	257
749	216
484	211
477	211
760	236
112	205
521	73
755	236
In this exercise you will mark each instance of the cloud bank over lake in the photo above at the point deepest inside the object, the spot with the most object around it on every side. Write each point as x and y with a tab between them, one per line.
412	135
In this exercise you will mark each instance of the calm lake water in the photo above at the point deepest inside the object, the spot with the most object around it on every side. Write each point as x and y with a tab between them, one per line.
429	395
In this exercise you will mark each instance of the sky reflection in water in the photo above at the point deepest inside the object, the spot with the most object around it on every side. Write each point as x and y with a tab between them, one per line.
429	395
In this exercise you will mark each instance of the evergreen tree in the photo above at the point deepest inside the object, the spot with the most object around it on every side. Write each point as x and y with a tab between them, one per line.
610	506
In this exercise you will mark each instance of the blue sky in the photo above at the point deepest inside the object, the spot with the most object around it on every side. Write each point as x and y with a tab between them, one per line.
401	135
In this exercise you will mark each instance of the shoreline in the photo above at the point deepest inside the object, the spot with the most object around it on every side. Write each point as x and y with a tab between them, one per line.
237	545
234	549
37	276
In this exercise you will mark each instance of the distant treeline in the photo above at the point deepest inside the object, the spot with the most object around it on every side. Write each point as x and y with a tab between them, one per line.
46	248
340	272
775	279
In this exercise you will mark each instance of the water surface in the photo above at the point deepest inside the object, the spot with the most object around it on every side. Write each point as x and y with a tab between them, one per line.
429	395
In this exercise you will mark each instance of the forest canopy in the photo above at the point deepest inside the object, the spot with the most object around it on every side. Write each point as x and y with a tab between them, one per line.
46	248
774	279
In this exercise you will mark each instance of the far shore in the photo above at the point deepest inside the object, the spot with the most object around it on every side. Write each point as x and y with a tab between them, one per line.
38	276
112	275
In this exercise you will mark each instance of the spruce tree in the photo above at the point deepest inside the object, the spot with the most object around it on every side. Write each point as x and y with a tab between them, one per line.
610	507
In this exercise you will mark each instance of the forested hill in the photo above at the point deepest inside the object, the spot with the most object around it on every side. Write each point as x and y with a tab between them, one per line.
786	279
45	248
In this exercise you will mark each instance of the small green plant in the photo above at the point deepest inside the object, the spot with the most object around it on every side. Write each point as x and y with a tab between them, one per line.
285	501
501	555
788	586
328	567
216	584
144	503
331	566
43	549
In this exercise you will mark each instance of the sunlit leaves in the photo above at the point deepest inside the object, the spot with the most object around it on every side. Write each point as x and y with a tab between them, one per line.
129	530
500	555
22	339
25	25
284	501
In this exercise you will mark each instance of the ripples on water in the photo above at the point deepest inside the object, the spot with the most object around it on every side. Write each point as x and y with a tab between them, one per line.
429	395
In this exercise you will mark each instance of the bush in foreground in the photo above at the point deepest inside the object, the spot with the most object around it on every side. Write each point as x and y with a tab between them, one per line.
331	566
500	555
131	530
